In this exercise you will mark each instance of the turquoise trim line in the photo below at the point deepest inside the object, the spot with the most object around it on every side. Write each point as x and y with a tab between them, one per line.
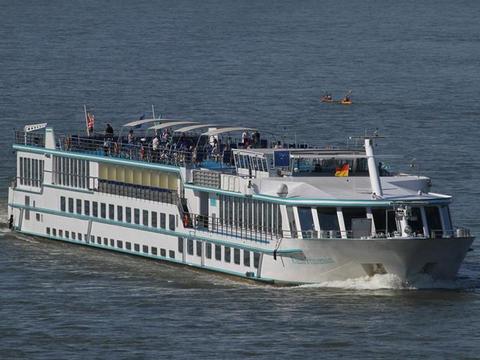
84	191
319	202
156	230
213	190
100	159
150	256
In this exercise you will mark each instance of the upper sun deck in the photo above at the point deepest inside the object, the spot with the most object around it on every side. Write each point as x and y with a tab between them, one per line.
265	167
185	144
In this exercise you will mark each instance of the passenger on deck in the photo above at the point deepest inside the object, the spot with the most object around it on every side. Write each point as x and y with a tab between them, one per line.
256	139
164	136
130	137
245	139
109	132
155	148
278	145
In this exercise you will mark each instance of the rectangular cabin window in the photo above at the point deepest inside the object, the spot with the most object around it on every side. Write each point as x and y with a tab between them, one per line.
236	256
145	217
163	252
190	247
136	247
111	212
136	216
128	215
103	210
63	204
54	232
199	248
119	213
70	205
145	249
60	233
154	251
415	221
86	207
80	236
48	231
218	252
306	221
154	219
22	172
105	241
227	254
180	245
120	244
99	240
256	259
95	208
171	222
163	221
79	206
384	220
171	253
128	245
434	221
349	215
246	258
208	250
67	234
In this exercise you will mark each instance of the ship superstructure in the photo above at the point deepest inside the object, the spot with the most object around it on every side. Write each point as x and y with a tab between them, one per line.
194	194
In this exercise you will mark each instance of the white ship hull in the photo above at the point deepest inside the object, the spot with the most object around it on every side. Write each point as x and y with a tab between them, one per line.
289	261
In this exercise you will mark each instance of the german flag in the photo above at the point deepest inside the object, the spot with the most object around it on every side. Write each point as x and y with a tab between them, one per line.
343	170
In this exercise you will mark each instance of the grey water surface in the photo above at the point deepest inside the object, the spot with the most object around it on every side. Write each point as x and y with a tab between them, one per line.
413	68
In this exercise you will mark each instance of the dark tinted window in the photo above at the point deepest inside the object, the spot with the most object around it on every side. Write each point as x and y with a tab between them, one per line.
328	219
218	252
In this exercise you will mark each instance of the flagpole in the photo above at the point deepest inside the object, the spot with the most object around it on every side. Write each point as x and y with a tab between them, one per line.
153	112
86	118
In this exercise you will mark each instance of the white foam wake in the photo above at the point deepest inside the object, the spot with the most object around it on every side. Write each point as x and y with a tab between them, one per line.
376	282
393	282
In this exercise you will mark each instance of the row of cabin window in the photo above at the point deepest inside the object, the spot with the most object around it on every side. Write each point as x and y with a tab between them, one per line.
66	234
71	172
249	214
118	213
194	247
111	242
250	162
31	171
383	219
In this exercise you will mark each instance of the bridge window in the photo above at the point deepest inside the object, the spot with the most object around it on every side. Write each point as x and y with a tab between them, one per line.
384	220
434	221
306	220
328	219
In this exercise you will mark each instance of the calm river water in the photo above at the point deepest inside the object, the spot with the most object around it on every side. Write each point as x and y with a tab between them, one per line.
413	69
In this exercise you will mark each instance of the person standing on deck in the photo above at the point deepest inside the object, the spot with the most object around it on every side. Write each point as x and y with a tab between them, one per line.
155	146
90	124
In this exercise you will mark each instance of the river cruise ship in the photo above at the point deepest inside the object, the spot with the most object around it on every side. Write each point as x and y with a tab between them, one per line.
225	199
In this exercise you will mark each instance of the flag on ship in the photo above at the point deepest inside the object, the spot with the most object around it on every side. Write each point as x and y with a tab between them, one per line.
343	170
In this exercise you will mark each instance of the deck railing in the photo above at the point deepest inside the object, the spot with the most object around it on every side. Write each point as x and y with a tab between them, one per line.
166	154
379	234
221	227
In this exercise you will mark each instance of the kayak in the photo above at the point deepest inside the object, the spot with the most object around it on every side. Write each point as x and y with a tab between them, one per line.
326	100
346	102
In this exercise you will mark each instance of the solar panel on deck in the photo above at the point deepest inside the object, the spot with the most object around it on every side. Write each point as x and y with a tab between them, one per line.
281	158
